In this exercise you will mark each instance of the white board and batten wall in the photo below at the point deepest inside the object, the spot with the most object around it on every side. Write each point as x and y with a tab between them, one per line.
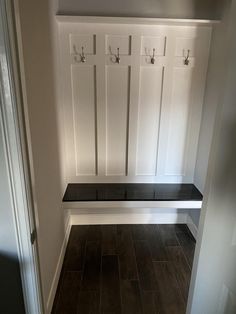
132	121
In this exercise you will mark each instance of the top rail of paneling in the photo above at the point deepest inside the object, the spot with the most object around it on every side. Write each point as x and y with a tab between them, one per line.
134	20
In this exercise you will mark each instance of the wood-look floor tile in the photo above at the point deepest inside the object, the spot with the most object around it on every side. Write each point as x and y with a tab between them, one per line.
139	232
181	228
126	269
148	302
110	290
168	297
187	242
145	266
94	233
88	302
92	267
68	294
182	269
125	251
75	253
168	235
155	243
131	297
109	239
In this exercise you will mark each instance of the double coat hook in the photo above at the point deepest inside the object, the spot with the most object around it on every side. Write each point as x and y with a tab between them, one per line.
153	56
186	58
79	57
117	60
82	55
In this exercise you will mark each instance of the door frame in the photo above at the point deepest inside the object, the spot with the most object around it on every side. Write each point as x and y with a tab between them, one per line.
17	156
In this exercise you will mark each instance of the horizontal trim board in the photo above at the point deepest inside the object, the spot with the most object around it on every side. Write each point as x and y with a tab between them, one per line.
134	204
131	218
133	20
103	219
176	179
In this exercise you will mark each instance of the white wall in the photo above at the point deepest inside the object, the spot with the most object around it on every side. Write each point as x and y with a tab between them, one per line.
39	58
145	129
214	85
214	289
148	8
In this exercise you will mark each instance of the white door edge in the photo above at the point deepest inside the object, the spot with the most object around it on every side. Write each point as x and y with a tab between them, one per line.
10	121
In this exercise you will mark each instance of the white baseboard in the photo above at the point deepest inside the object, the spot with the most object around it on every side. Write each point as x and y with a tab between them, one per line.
192	227
127	216
56	277
131	216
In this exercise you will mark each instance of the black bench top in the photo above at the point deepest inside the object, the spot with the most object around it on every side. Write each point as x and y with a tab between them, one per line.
86	192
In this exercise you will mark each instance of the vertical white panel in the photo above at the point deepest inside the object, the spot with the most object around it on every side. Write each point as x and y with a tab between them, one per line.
113	42
118	81
84	116
153	42
148	119
88	42
179	122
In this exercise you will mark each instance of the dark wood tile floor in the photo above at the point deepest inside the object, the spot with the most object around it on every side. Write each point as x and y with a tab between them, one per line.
128	269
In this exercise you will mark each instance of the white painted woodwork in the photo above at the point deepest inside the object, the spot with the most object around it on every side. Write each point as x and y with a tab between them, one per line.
132	121
114	42
177	136
117	103
88	42
184	44
84	118
153	42
133	204
148	120
93	214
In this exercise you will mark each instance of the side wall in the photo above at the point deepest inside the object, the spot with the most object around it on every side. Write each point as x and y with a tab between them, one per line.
213	287
215	81
38	66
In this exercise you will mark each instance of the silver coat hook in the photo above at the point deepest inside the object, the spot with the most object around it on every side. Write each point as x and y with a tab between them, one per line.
82	55
153	56
118	56
186	58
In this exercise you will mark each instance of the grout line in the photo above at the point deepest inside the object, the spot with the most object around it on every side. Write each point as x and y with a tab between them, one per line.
121	300
138	277
100	275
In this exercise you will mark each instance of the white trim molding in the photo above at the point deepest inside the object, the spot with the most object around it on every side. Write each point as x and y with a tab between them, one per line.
12	124
134	20
192	227
57	273
118	215
134	204
131	216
